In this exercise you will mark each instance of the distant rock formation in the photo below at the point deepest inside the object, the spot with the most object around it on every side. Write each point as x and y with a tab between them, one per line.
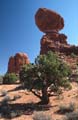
51	23
15	62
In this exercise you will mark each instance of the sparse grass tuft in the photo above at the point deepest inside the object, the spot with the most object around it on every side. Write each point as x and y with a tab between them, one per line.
3	92
71	116
64	109
41	116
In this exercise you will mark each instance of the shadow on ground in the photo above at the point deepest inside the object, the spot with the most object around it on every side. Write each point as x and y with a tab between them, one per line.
10	111
62	112
20	87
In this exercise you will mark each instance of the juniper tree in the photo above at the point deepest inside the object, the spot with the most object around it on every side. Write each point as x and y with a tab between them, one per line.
46	75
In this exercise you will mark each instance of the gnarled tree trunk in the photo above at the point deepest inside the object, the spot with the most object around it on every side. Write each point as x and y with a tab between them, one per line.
45	97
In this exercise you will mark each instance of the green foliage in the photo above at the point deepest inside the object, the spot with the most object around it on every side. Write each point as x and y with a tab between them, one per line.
10	78
48	70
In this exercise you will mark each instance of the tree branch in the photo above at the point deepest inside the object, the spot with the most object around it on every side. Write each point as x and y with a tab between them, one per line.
36	94
49	94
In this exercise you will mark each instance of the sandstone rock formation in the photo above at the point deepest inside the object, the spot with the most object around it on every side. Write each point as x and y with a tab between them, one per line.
51	23
48	20
57	43
15	62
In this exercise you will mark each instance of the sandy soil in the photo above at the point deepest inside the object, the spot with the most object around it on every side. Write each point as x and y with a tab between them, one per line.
28	97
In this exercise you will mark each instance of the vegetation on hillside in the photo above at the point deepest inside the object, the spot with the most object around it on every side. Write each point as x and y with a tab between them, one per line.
10	78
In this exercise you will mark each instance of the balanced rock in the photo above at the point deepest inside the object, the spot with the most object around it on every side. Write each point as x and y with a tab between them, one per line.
15	62
48	20
51	23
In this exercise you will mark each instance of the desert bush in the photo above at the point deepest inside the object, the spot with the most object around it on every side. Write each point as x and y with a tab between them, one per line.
41	116
15	113
5	100
67	108
3	92
10	78
71	116
1	80
8	113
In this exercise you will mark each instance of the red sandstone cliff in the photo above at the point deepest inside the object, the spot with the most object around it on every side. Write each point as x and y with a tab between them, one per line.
15	62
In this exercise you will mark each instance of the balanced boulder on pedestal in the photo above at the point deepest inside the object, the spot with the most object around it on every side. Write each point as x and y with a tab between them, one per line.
51	23
48	20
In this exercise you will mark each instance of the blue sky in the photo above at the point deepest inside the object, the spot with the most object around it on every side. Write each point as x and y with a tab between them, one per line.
18	32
